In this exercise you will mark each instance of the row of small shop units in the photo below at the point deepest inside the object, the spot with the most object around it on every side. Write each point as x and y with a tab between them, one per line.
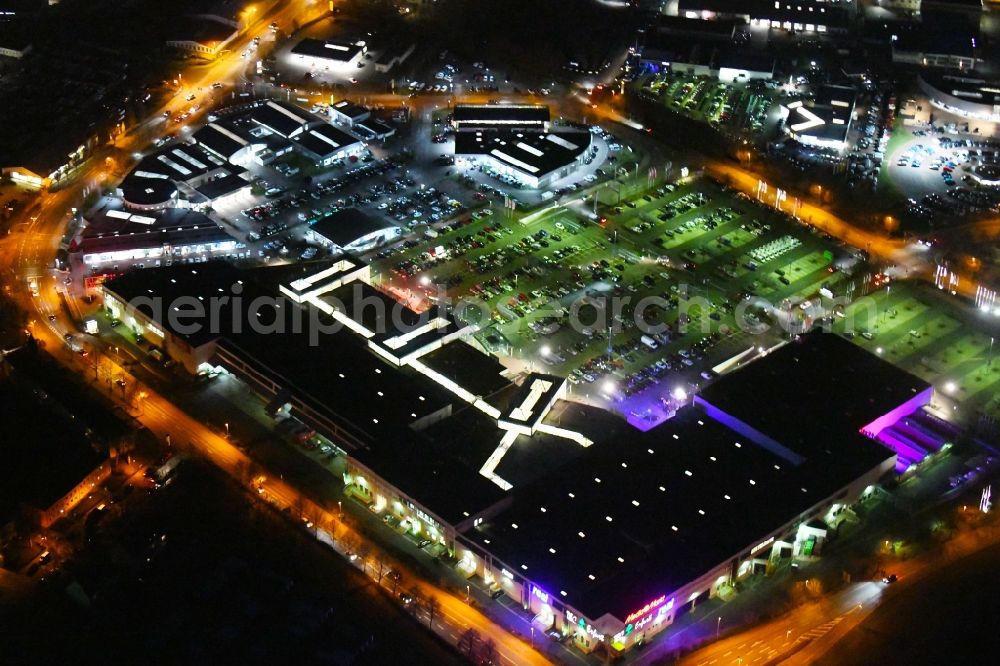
801	538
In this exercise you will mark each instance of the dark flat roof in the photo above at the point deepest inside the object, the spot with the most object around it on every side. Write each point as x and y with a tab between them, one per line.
642	482
967	86
803	11
344	380
814	394
475	371
334	371
91	245
218	137
376	310
330	49
439	468
376	127
957	4
720	30
282	117
115	220
325	140
170	283
219	187
179	161
40	465
530	459
942	32
141	191
349	109
346	226
152	180
532	153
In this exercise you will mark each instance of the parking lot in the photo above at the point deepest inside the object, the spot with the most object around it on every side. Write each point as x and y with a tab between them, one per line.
549	286
936	173
274	224
934	339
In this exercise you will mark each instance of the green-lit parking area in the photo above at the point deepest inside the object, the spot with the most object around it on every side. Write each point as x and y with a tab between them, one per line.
932	337
549	287
739	106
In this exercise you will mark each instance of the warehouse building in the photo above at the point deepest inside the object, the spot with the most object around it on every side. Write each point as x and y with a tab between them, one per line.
536	159
325	144
224	141
517	141
48	471
798	16
320	53
825	120
115	240
721	61
392	57
345	112
351	230
962	93
178	173
603	534
281	118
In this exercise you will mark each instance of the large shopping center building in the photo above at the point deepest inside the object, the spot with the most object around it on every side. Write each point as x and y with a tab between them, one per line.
600	532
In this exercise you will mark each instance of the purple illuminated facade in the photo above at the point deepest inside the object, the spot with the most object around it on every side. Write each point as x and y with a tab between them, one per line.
910	443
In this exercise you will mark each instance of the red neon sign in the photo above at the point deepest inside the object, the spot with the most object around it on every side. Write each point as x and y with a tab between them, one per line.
645	609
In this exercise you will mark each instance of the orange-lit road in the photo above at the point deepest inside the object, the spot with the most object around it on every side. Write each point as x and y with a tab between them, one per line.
900	253
772	642
895	251
165	419
455	616
804	635
31	252
875	243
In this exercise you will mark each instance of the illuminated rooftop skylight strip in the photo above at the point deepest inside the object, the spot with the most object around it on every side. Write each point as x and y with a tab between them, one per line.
499	154
286	112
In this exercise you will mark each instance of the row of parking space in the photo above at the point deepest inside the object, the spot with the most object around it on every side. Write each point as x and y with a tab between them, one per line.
547	286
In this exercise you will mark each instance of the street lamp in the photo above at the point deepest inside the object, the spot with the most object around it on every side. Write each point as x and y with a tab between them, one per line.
340	510
718	626
227	430
468	593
